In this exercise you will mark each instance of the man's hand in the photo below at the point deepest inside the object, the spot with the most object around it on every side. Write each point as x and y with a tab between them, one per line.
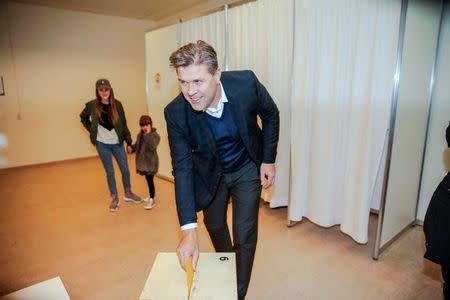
267	175
188	246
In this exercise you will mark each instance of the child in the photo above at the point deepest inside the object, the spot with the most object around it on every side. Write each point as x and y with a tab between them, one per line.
146	157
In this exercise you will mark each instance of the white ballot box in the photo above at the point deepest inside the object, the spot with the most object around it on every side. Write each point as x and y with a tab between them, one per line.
52	289
215	278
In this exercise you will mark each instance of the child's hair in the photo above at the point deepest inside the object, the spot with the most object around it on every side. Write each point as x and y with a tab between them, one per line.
145	120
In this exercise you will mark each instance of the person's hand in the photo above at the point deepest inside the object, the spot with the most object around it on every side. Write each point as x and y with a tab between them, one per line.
188	246
267	175
129	149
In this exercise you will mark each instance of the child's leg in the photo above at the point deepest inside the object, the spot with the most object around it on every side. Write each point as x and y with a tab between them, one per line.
151	185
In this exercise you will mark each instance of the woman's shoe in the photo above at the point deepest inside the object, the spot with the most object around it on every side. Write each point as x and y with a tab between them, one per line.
132	197
114	205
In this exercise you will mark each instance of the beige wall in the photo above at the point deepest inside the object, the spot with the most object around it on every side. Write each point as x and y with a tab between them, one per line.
159	45
49	60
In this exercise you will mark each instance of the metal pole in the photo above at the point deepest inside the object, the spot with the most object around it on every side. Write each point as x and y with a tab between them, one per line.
429	105
291	223
225	63
401	37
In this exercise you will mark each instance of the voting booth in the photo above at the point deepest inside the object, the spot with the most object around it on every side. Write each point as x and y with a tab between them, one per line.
215	278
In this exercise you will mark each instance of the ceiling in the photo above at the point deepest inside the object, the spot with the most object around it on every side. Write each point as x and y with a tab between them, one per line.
161	12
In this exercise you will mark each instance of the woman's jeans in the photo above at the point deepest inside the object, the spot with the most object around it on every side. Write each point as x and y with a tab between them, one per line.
106	152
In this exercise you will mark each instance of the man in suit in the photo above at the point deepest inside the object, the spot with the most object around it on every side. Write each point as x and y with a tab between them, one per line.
436	227
218	150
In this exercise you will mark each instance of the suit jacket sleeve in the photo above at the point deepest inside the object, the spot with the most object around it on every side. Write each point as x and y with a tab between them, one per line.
269	114
182	163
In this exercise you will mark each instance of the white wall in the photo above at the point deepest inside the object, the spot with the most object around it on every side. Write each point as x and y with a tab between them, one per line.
421	33
49	60
159	45
437	155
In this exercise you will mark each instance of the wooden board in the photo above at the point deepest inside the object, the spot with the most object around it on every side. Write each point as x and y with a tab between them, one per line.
52	289
215	278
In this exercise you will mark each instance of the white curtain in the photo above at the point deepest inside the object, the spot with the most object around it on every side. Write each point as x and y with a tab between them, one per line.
261	39
210	28
344	61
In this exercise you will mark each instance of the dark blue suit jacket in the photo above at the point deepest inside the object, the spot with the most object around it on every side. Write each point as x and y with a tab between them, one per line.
196	167
437	221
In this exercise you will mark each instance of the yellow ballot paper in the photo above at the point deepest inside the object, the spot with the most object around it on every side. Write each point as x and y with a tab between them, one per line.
214	278
189	276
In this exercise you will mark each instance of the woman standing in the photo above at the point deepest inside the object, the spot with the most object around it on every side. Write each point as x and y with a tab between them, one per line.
105	120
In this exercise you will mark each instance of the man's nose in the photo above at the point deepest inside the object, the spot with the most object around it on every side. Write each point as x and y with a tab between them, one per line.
192	89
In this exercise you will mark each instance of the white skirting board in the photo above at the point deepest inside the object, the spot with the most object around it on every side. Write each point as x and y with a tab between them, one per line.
215	278
52	289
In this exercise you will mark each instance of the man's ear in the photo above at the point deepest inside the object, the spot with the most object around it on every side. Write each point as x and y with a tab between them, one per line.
217	74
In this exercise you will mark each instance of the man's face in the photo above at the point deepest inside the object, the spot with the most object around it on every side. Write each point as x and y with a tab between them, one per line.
199	87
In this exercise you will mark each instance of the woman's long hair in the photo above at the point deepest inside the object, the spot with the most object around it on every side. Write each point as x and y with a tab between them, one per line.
112	114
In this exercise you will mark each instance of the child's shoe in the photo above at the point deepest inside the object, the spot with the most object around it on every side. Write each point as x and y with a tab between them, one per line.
150	203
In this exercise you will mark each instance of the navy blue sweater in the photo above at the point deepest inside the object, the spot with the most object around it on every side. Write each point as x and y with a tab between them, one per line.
231	149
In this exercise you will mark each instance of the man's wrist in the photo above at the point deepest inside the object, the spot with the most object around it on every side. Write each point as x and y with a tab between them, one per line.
189	226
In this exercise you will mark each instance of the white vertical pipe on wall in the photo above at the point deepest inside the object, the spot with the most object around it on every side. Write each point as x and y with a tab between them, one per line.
225	17
290	222
179	24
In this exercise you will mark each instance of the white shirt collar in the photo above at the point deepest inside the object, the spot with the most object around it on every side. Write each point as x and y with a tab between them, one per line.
217	112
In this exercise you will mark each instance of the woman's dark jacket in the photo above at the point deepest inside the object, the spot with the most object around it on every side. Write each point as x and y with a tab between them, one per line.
89	119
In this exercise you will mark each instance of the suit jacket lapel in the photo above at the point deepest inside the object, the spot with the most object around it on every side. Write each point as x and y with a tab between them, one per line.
200	129
206	132
238	114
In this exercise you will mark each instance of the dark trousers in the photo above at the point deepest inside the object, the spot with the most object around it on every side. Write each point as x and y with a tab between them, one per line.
244	187
446	275
151	185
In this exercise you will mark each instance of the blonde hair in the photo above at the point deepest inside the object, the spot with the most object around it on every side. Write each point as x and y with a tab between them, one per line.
195	53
